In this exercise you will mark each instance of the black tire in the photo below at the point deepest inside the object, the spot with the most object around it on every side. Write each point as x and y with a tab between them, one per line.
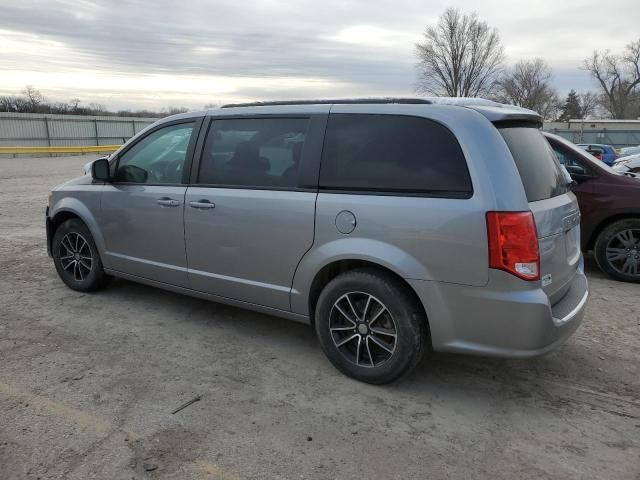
622	249
403	313
76	257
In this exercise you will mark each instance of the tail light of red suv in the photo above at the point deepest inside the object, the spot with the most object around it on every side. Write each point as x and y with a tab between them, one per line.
513	244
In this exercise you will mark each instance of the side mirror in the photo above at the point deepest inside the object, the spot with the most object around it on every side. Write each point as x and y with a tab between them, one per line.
87	166
576	170
100	170
132	174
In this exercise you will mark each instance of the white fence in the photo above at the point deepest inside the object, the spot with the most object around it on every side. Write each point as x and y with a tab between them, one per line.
44	130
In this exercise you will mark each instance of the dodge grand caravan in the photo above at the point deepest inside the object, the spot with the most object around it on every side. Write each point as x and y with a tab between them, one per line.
389	225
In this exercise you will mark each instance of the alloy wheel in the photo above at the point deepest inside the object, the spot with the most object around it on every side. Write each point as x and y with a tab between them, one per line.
623	252
75	256
363	329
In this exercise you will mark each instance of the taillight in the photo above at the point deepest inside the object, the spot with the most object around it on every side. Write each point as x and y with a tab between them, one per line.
513	244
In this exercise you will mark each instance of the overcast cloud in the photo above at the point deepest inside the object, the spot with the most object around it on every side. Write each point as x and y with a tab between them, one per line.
157	53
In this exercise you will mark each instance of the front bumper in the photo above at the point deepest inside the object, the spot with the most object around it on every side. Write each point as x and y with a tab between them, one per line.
505	318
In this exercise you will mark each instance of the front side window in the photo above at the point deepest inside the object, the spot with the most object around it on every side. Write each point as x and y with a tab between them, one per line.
393	153
157	158
254	152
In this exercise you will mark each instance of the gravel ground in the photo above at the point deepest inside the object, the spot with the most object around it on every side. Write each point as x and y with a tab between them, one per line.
88	383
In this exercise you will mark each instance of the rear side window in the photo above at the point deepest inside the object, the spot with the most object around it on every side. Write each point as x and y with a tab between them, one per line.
256	152
537	164
393	153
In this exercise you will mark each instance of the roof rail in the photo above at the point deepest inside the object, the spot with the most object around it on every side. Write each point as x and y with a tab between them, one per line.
330	102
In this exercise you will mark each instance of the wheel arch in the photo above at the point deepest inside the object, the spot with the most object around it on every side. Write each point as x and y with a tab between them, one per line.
331	270
605	223
69	208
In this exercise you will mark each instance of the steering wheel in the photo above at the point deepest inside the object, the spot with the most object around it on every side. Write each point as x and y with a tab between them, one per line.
156	174
166	172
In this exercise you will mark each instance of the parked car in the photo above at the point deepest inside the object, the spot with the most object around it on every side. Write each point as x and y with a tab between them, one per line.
626	151
606	153
390	226
610	207
630	163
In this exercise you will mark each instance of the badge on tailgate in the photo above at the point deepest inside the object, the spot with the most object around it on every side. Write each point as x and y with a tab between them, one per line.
571	220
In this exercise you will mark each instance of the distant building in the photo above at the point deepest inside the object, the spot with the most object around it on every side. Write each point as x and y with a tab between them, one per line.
619	133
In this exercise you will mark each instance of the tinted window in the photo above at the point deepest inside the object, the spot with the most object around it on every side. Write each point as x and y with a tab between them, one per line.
539	169
262	152
392	153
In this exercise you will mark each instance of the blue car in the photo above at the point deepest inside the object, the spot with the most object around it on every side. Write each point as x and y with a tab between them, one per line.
606	153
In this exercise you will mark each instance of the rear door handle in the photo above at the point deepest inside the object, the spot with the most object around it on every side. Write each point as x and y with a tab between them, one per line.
203	204
168	202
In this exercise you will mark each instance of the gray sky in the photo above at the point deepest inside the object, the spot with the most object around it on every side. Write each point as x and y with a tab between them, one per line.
159	53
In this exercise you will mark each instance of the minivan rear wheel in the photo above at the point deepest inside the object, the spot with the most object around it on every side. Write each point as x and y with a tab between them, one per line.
76	257
369	326
617	250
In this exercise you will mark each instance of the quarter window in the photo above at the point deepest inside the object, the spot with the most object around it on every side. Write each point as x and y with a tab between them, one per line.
157	158
393	153
258	152
538	166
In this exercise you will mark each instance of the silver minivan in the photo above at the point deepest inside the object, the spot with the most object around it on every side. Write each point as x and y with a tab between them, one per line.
391	226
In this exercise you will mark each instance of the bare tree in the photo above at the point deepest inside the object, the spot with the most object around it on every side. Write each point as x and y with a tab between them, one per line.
528	85
73	104
588	103
459	57
34	97
174	110
618	77
6	103
98	108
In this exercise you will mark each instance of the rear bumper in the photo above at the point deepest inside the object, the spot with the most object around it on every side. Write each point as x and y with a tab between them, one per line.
506	318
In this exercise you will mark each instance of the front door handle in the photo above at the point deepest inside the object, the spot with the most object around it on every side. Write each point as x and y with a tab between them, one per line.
168	202
203	204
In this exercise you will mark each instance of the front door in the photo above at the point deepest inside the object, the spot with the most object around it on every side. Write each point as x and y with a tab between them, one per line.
248	220
142	208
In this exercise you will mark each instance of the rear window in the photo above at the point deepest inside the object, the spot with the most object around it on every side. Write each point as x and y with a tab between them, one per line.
537	164
393	153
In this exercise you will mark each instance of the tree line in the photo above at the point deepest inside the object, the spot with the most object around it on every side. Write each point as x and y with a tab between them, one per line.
31	100
462	56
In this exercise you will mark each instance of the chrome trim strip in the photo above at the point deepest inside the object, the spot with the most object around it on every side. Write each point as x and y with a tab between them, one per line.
558	322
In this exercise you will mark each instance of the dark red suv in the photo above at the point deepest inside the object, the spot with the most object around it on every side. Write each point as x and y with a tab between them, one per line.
610	207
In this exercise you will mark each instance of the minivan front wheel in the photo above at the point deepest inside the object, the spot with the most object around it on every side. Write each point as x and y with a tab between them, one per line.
617	250
369	326
76	257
